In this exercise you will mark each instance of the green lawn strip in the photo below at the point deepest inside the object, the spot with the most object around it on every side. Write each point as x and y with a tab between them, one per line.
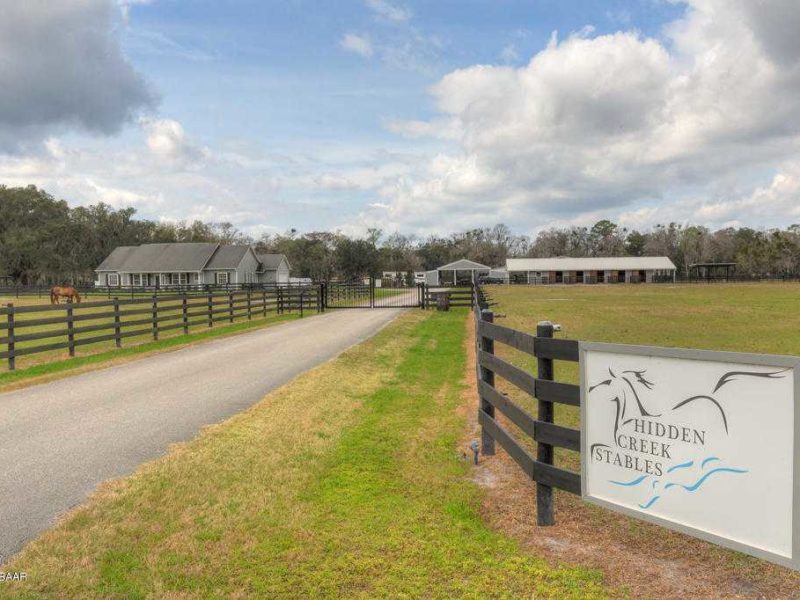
65	365
344	483
393	512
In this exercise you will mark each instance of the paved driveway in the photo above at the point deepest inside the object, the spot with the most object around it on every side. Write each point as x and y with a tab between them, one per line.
59	440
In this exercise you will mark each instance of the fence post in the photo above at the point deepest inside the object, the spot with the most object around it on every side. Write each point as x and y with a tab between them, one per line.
70	330
11	357
280	300
487	345
184	315
302	294
544	452
117	329
264	302
230	307
249	307
155	316
210	309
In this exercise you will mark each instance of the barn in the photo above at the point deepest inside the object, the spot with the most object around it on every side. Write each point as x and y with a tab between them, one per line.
611	269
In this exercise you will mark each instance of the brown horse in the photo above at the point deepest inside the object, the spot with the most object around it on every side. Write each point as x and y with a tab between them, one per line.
64	292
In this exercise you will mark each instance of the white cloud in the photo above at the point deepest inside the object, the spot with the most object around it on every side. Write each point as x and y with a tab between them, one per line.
358	44
388	11
63	68
166	139
596	125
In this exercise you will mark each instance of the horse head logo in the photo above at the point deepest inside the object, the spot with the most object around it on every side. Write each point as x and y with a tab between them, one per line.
621	390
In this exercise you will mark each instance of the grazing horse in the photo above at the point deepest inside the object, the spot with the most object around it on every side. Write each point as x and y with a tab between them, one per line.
64	292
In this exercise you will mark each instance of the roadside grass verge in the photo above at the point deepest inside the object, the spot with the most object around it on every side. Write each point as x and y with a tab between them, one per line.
47	371
648	560
346	482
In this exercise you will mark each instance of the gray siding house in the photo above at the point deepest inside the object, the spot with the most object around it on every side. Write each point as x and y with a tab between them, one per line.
189	264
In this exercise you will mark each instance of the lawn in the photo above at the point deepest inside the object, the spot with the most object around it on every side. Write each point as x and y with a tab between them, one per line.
346	482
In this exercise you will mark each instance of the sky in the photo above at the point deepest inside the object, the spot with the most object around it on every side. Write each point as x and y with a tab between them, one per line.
424	117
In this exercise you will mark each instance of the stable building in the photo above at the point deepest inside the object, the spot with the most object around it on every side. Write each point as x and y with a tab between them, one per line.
612	269
460	272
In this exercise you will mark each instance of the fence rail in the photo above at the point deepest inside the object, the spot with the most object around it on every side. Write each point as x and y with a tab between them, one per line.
118	319
542	386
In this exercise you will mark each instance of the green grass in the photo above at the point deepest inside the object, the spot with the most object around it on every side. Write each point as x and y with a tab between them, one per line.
177	339
344	483
737	317
760	317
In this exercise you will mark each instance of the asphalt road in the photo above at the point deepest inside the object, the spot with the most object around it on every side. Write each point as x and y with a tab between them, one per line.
59	440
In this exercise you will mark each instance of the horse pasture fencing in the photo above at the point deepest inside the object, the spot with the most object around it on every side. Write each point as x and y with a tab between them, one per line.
702	442
540	428
39	328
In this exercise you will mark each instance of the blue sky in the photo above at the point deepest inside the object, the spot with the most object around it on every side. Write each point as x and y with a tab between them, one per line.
422	117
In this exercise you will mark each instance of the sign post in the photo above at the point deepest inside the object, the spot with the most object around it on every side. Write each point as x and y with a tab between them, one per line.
706	443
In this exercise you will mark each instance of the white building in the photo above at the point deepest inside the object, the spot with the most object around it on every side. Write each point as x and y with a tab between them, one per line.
612	269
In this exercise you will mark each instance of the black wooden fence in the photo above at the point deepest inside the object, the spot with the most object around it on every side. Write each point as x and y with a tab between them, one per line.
542	386
117	319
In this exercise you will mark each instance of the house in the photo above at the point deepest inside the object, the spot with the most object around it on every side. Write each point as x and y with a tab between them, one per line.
192	264
612	269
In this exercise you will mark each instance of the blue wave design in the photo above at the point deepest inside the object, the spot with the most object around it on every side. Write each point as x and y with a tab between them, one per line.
680	466
699	482
636	481
708	460
650	502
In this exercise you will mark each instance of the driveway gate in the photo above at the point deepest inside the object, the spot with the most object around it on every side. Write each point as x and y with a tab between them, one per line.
368	295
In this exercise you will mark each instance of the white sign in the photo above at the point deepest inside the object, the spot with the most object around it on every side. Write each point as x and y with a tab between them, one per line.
701	442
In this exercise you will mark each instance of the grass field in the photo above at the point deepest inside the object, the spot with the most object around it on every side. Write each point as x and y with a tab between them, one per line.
344	483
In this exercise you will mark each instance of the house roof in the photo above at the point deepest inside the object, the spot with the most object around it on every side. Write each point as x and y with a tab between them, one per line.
271	262
149	258
227	257
610	263
159	257
462	265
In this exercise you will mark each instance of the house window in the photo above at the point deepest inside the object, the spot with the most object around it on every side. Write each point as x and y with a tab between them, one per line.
180	279
113	279
222	278
137	279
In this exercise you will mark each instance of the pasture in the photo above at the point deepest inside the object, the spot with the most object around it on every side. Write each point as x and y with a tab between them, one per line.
355	479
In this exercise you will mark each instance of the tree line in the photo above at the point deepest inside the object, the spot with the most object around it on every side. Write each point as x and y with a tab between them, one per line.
43	240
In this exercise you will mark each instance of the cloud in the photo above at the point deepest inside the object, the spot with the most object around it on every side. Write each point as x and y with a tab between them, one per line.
358	44
64	69
388	11
166	139
604	124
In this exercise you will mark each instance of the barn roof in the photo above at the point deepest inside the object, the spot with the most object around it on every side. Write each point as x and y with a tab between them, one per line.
599	263
463	265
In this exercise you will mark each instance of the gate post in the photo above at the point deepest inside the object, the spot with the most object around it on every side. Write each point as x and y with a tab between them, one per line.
544	452
11	335
487	345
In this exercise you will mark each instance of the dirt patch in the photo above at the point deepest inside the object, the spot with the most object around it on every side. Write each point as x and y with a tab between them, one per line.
637	559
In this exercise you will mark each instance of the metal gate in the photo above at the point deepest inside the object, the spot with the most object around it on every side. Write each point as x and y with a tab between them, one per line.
369	295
